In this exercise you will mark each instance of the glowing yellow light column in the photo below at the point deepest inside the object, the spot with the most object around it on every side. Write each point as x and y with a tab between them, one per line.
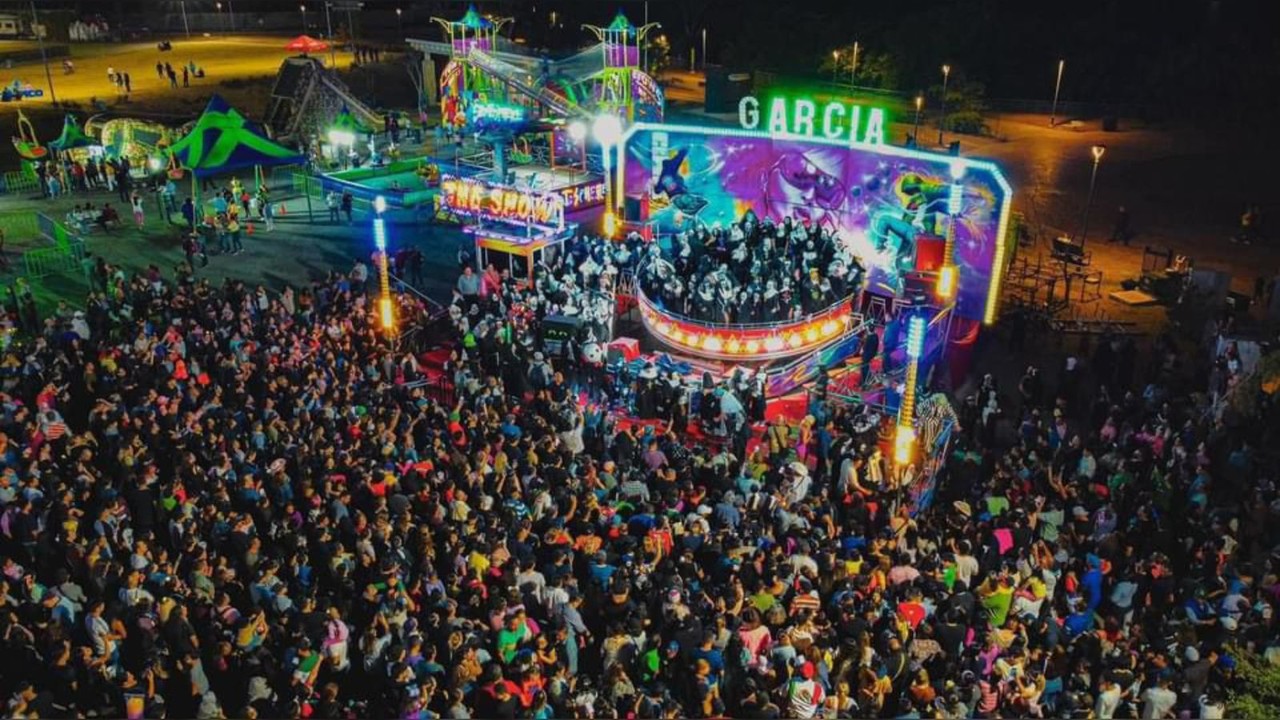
607	130
947	276
905	437
385	307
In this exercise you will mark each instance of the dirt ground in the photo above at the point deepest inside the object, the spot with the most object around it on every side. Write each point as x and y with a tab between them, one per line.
240	68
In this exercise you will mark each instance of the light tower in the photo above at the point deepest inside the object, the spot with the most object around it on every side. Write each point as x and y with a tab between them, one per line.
473	32
946	287
904	440
620	44
386	309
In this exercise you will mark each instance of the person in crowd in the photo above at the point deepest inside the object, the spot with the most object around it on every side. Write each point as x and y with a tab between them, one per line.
223	501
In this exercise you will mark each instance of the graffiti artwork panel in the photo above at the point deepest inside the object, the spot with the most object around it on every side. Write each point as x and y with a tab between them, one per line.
877	199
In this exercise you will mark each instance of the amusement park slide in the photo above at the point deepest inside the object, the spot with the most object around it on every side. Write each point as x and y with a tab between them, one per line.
362	112
517	78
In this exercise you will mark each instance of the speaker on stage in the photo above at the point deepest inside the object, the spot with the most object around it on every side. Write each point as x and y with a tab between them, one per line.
930	250
632	207
917	286
556	330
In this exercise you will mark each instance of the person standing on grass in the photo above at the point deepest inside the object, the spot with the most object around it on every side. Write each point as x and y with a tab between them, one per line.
159	69
139	216
233	232
186	77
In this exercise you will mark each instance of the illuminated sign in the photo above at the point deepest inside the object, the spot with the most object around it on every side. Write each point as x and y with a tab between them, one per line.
834	121
766	341
494	113
582	196
471	197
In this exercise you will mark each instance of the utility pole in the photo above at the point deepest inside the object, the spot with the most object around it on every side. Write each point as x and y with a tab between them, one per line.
1053	114
853	69
185	26
328	21
35	28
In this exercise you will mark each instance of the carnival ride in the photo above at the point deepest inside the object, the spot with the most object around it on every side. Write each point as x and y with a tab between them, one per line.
26	143
307	96
485	67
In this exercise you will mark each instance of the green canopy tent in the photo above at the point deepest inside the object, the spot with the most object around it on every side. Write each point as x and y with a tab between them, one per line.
223	141
72	136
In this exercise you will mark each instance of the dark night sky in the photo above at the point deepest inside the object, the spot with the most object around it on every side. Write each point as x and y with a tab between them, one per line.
1219	55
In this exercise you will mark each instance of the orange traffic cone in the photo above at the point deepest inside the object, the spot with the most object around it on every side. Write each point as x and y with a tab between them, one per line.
249	229
283	210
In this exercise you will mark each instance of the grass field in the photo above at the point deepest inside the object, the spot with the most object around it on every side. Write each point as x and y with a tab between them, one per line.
242	58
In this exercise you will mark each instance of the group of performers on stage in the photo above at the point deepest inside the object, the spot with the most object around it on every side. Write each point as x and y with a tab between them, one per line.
750	272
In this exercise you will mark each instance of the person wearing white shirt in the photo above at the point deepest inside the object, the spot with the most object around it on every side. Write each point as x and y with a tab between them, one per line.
1108	700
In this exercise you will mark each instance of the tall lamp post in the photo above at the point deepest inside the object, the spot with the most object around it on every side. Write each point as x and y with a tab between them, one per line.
185	25
607	130
39	31
942	118
915	133
1098	151
386	310
704	49
328	24
303	10
231	15
835	64
1053	113
400	21
853	67
221	26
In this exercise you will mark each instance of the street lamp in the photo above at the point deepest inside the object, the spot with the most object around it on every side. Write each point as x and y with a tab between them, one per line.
942	119
218	5
915	133
1053	114
835	64
704	49
607	130
400	20
328	24
1098	151
44	57
303	9
853	67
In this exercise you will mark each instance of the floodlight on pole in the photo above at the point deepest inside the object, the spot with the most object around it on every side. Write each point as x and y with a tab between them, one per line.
607	130
386	309
1053	113
1097	151
942	118
915	133
303	9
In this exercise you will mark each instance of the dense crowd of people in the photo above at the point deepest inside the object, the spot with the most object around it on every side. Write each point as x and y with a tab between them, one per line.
219	501
751	272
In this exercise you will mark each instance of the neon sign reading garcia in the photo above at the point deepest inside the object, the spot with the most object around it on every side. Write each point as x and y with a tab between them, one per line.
849	122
